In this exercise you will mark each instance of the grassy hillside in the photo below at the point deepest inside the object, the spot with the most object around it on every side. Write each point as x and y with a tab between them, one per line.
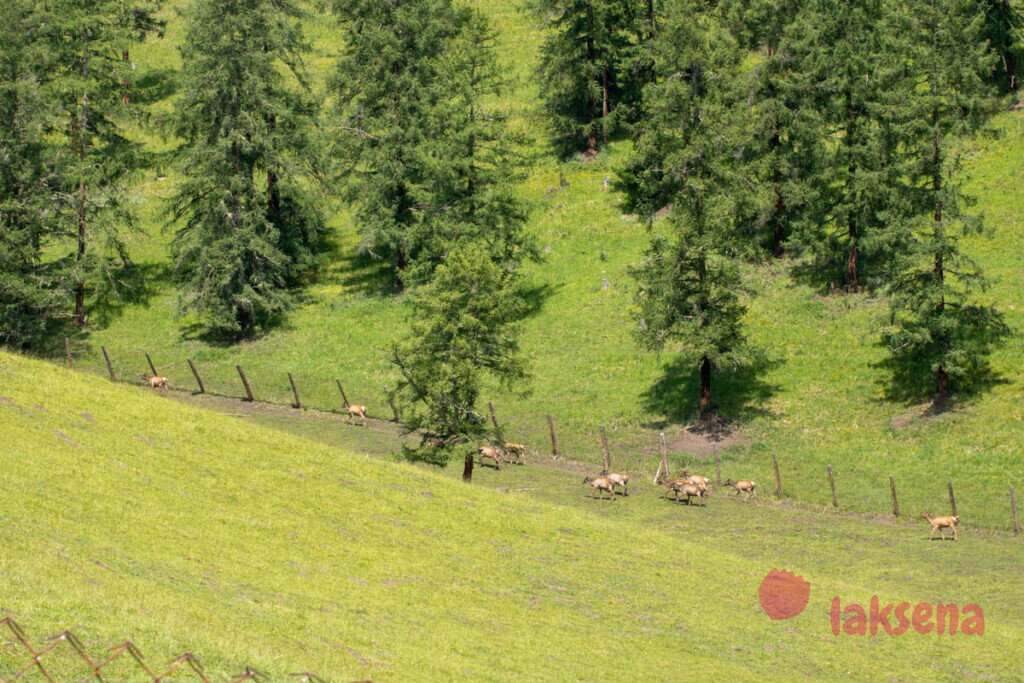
127	515
819	399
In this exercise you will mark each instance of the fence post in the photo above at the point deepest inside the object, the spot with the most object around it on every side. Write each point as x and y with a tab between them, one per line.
663	465
895	503
1013	506
344	398
150	361
604	449
110	368
391	402
195	373
245	382
832	479
554	443
295	392
718	468
778	479
67	350
952	498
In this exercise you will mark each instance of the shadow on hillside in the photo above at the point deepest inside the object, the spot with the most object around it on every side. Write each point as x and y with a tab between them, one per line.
911	382
133	284
534	298
366	275
735	396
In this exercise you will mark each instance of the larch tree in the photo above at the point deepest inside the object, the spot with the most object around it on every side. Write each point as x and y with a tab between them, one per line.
936	323
34	289
837	45
583	67
464	331
689	278
248	229
472	161
387	87
90	37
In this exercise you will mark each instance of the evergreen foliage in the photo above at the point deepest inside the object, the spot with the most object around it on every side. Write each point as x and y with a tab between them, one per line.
588	63
464	328
249	227
936	324
684	158
33	291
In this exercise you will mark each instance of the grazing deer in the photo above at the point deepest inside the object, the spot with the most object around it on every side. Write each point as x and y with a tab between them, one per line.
492	452
617	480
697	479
515	452
356	411
743	486
156	381
942	523
601	484
689	490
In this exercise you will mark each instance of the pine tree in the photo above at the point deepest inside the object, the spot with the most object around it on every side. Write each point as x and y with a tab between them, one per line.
934	323
248	231
33	290
471	162
583	67
1003	27
89	39
838	47
387	87
783	151
689	278
463	330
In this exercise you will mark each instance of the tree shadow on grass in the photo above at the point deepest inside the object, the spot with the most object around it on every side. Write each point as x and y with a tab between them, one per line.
737	396
911	382
133	284
366	275
534	297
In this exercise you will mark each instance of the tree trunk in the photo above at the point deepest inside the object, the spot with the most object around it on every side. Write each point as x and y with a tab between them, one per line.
604	106
273	195
591	104
124	86
705	384
780	228
851	260
942	385
1010	61
467	469
83	135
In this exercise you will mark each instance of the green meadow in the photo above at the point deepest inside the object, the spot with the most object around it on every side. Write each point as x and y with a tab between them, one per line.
128	515
818	398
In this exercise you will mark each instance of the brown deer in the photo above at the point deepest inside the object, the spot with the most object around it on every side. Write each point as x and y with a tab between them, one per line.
492	452
356	411
697	479
743	486
942	523
601	484
516	452
156	381
617	480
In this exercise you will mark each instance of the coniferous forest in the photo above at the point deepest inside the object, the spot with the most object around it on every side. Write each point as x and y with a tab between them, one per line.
824	133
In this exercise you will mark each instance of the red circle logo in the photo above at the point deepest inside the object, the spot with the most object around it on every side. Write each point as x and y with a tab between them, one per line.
783	595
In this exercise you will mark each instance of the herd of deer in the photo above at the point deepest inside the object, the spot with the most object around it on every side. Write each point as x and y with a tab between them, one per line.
685	484
689	485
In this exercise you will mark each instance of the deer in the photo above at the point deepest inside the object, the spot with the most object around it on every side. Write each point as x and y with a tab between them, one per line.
743	486
601	484
492	452
156	381
356	411
617	480
696	479
688	489
515	452
942	523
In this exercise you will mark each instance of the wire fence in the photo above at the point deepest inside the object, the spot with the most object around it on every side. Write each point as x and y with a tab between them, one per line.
272	394
46	660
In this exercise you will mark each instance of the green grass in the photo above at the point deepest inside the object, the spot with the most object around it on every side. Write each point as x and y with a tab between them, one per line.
819	400
182	529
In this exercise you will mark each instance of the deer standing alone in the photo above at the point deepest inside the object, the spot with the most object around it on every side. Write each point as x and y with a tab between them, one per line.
156	381
941	523
747	486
